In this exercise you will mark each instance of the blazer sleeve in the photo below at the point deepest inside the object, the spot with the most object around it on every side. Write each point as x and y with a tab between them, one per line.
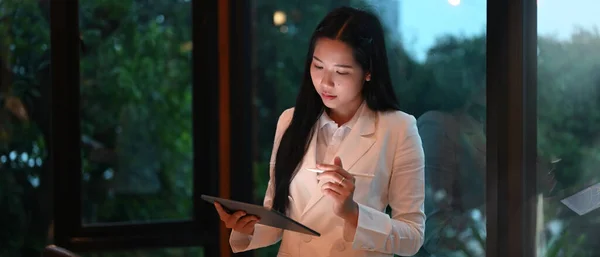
402	233
264	235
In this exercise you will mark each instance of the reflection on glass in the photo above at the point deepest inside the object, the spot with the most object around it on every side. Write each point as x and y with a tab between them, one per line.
569	128
25	177
453	134
162	252
136	110
437	56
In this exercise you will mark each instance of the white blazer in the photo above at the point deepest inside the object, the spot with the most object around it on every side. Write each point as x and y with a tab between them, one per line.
385	145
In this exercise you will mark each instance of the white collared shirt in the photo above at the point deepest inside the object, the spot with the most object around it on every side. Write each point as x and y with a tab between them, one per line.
331	136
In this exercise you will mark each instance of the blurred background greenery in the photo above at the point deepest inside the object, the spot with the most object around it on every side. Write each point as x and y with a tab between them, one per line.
136	112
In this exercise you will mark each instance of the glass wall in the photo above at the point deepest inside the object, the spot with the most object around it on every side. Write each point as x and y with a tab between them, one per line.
568	128
25	174
437	54
136	118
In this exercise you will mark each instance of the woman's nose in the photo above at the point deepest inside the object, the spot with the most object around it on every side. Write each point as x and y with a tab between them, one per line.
326	80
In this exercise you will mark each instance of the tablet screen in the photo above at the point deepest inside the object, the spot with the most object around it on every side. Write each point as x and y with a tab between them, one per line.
268	217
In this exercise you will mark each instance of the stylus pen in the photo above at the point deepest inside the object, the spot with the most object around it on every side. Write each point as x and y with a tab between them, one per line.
353	174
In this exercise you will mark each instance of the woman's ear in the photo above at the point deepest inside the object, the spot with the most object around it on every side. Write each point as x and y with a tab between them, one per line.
368	76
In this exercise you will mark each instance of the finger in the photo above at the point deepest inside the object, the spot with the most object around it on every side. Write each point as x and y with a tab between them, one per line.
337	188
327	167
338	162
233	219
340	190
332	168
337	197
243	222
333	176
222	213
251	223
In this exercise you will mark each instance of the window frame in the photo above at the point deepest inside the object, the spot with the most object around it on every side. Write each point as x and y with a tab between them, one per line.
225	93
201	229
511	128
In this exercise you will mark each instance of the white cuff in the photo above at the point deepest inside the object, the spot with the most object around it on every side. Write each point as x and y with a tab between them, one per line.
239	242
372	230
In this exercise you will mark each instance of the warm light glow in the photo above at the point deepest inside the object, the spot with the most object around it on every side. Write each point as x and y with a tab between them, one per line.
279	18
454	2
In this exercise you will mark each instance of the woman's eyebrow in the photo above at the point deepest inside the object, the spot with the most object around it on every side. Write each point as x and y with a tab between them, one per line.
337	65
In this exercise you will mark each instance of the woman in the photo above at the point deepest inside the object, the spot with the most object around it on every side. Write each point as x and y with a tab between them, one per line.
345	120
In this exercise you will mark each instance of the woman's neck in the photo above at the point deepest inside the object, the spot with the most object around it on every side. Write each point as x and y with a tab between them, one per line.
342	115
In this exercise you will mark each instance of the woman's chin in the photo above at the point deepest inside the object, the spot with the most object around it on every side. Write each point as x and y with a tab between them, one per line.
330	104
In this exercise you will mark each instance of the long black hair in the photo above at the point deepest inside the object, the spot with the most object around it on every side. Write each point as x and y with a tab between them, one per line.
363	32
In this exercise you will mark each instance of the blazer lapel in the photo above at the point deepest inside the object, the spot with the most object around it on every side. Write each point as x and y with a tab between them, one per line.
309	179
359	141
310	158
355	145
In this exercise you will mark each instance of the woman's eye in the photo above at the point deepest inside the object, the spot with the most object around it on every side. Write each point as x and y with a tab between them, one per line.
318	67
342	73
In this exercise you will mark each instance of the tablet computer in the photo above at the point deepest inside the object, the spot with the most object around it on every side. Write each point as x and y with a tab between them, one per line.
268	217
585	200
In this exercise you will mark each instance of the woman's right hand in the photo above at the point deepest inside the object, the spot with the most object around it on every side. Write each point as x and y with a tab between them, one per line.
237	221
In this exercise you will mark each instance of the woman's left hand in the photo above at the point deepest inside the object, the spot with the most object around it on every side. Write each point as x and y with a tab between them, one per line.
340	187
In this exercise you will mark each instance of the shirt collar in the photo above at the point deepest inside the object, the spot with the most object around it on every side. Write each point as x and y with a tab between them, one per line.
325	120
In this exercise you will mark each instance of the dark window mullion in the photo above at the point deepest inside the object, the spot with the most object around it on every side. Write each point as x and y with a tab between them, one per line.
529	112
241	177
511	127
65	131
205	120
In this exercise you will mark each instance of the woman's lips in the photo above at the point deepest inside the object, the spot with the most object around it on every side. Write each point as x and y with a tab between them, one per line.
327	96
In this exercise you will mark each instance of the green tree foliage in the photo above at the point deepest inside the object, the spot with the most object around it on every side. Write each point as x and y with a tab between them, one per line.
136	110
24	73
136	117
569	100
569	131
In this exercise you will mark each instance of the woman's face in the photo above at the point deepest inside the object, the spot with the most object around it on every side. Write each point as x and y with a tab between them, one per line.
336	75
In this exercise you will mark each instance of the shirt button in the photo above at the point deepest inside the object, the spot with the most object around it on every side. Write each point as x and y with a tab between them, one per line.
307	239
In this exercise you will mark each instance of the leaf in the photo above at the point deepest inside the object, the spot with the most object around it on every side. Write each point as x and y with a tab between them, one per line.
15	106
186	47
